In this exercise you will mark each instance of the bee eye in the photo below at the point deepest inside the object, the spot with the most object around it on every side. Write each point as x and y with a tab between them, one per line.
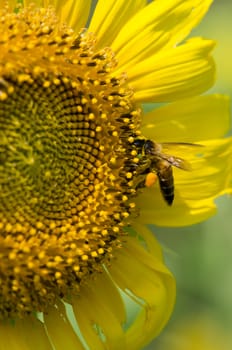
148	147
138	143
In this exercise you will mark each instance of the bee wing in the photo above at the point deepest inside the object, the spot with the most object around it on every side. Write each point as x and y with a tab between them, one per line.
176	161
182	148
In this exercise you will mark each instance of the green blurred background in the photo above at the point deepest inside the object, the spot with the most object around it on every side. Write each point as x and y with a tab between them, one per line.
201	256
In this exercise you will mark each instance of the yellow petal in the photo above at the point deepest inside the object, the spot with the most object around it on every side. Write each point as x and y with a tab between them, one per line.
143	274
160	25
195	190
189	120
100	313
60	330
110	16
181	72
192	13
26	334
110	295
74	13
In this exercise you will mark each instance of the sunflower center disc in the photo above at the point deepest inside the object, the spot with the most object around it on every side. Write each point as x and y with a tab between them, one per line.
65	152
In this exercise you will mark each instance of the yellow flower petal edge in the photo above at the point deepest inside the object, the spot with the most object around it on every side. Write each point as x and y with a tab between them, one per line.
24	334
157	290
180	120
100	306
195	190
160	25
110	16
75	13
60	330
173	74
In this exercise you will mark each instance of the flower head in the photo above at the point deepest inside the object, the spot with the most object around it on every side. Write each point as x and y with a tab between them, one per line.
76	155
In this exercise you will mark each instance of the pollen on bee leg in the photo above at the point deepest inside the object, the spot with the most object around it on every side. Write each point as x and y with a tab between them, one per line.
150	180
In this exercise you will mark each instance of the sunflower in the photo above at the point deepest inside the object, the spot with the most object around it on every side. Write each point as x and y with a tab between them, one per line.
78	157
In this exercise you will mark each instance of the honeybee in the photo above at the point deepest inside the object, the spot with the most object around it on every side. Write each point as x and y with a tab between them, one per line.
161	164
